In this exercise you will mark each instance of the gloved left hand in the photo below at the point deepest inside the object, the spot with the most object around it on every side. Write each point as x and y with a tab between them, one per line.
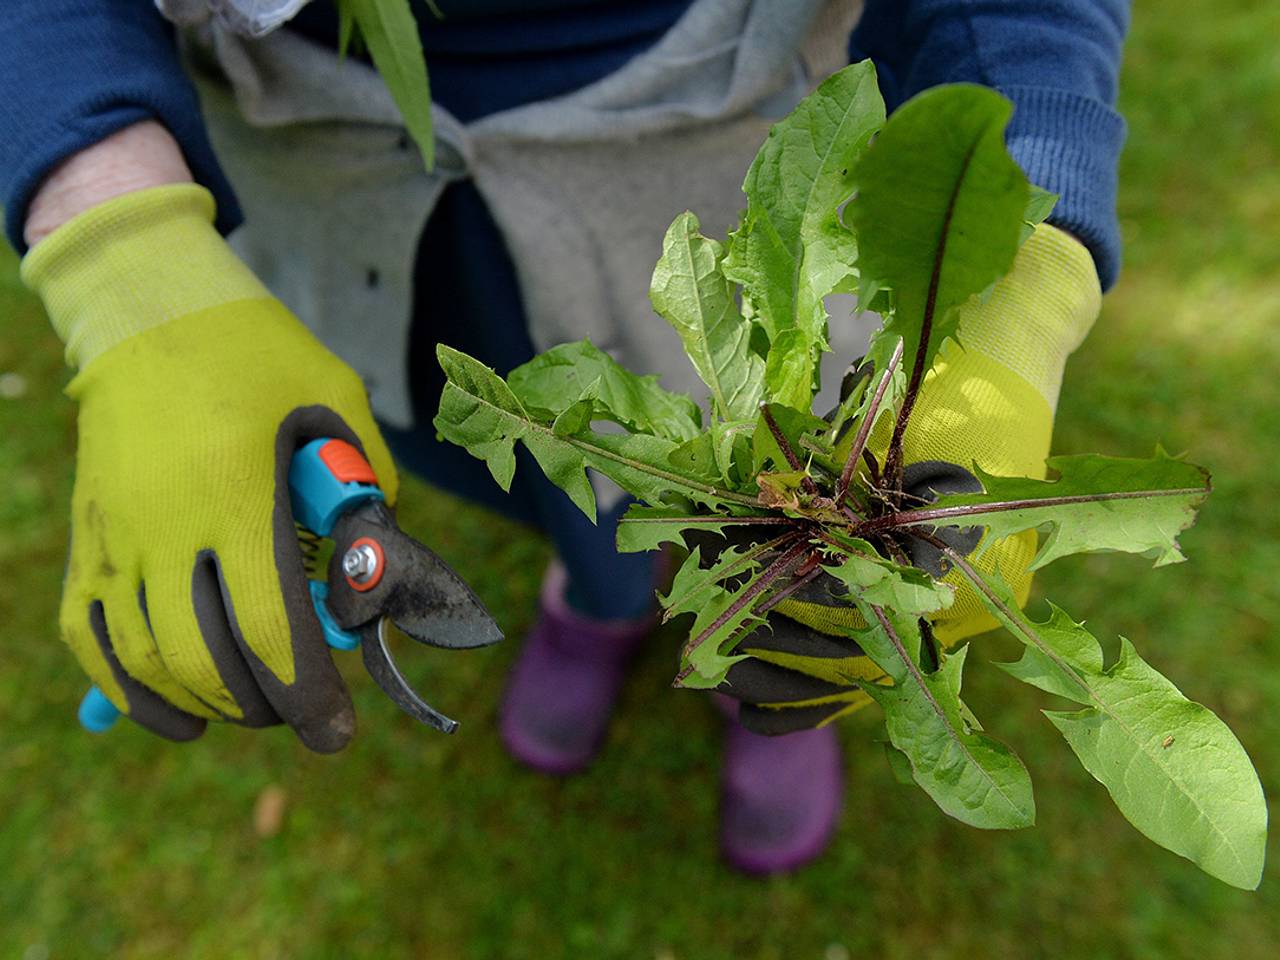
990	403
186	596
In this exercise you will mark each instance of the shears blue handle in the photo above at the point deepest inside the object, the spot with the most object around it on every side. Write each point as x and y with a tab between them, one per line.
327	478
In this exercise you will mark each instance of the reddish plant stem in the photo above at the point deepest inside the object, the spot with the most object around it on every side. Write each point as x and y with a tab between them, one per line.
911	666
873	468
864	428
778	568
1017	623
784	445
708	520
738	566
897	552
788	590
893	460
909	518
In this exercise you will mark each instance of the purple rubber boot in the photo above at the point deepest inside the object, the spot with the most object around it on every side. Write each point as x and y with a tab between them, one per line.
564	684
780	796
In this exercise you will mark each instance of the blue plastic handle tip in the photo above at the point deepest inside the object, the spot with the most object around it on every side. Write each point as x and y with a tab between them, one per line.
97	714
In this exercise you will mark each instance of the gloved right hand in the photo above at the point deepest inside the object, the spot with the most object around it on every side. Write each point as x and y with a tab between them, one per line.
185	597
991	403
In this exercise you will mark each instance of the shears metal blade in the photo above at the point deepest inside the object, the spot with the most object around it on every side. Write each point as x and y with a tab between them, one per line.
379	574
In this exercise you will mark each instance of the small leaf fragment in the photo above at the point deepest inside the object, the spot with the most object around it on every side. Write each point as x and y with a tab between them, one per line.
1040	203
647	528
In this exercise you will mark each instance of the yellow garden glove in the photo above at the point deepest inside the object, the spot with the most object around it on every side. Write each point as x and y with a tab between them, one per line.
185	597
989	401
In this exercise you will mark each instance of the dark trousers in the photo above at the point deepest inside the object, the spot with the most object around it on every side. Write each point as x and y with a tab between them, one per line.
466	295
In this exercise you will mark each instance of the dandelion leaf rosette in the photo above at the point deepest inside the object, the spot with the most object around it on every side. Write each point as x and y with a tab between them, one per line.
769	500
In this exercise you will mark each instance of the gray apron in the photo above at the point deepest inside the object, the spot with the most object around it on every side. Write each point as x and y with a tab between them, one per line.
582	187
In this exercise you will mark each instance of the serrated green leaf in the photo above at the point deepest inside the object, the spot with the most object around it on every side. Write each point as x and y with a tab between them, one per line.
725	598
1097	504
687	593
690	291
939	208
479	411
390	33
873	579
970	775
647	528
562	376
697	590
791	249
1174	769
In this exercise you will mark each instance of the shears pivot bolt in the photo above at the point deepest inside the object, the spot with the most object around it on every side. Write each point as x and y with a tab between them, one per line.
360	563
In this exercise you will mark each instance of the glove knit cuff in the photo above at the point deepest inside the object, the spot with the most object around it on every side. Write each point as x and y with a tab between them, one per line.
132	263
1039	313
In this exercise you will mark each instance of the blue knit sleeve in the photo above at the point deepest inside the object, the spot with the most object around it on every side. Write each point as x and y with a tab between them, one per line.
75	71
1057	60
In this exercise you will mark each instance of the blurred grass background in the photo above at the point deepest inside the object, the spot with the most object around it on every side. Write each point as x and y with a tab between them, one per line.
411	844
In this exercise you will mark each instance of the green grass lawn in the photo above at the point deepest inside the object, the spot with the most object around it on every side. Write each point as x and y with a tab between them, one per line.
411	844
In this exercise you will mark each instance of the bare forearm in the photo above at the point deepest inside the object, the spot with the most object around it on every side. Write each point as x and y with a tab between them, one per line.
139	156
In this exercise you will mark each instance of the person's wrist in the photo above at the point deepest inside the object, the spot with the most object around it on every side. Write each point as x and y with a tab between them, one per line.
136	157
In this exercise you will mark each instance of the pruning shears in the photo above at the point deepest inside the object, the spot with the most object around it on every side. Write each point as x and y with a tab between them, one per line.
375	574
